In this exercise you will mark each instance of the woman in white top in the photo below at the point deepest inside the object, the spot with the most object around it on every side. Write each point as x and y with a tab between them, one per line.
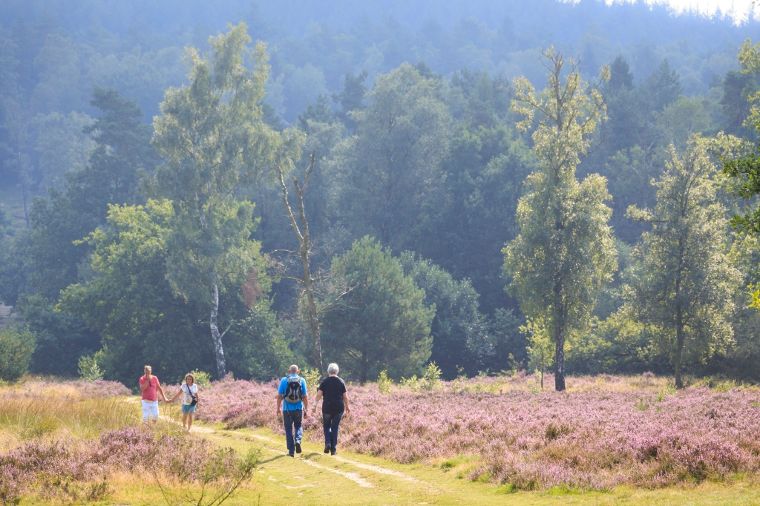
189	392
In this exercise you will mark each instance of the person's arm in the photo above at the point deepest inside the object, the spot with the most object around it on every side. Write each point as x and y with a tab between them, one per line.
345	402
305	399
176	395
279	405
317	399
280	397
144	383
158	387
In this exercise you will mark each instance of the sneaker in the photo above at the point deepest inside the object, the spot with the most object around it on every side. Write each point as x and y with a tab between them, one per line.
298	447
327	449
333	451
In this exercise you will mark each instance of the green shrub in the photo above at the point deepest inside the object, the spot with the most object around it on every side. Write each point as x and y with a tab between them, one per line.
384	382
16	348
89	369
312	377
431	378
201	378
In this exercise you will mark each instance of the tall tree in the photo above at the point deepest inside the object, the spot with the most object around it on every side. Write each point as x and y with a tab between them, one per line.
461	340
382	322
214	139
393	163
564	252
746	170
681	278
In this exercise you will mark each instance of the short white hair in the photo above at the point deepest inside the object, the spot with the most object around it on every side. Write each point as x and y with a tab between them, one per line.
333	368
293	369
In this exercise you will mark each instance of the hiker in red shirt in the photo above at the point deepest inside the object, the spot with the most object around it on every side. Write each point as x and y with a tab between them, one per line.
150	387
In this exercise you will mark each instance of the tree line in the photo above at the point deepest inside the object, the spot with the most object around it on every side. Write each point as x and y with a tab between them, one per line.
417	218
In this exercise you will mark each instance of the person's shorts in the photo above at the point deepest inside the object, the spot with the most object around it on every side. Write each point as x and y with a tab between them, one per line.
187	408
149	410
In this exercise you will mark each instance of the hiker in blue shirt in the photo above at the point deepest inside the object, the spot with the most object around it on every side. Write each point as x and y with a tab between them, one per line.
293	392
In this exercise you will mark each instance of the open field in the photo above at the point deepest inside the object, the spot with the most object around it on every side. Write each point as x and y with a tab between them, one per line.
106	457
603	433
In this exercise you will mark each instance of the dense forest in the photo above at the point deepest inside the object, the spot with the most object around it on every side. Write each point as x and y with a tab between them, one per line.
493	186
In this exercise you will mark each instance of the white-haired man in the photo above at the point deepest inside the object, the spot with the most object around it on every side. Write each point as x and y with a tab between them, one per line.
293	392
335	404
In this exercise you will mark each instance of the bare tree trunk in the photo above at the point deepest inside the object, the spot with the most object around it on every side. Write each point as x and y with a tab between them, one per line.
24	189
304	252
559	340
678	359
678	356
216	337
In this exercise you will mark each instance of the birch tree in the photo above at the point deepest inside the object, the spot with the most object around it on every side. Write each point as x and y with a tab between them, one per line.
681	279
213	137
564	252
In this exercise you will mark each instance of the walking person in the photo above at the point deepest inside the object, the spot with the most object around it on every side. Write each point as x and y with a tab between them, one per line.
189	392
334	405
292	395
150	387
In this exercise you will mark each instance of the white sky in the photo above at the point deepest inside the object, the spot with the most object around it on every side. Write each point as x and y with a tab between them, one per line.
740	11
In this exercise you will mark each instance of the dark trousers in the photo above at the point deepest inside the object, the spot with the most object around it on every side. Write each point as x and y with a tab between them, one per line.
330	424
292	420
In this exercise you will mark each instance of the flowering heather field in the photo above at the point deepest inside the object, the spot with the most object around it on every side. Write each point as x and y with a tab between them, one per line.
79	470
605	431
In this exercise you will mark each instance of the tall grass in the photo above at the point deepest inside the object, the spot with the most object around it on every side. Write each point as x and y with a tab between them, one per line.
38	409
83	418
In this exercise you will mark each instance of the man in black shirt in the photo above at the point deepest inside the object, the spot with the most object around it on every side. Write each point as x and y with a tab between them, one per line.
335	404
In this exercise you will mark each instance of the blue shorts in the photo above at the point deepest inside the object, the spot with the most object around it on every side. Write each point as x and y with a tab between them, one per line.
187	408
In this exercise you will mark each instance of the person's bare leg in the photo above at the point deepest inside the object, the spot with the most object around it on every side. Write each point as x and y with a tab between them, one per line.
185	425
189	421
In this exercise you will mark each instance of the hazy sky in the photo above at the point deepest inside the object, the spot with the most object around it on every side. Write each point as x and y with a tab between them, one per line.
740	11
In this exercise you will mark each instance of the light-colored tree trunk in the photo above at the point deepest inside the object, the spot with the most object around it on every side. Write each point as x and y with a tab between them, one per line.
216	336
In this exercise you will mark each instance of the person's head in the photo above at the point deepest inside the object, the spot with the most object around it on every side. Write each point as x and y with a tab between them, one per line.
293	369
189	379
333	369
148	370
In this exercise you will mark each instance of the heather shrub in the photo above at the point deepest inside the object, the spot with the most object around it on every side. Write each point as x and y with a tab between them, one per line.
78	471
16	349
603	432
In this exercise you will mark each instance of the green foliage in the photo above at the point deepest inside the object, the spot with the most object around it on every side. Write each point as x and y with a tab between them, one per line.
312	377
257	343
381	321
384	382
213	138
565	252
681	279
88	367
459	330
201	378
540	347
390	171
431	378
16	348
129	302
